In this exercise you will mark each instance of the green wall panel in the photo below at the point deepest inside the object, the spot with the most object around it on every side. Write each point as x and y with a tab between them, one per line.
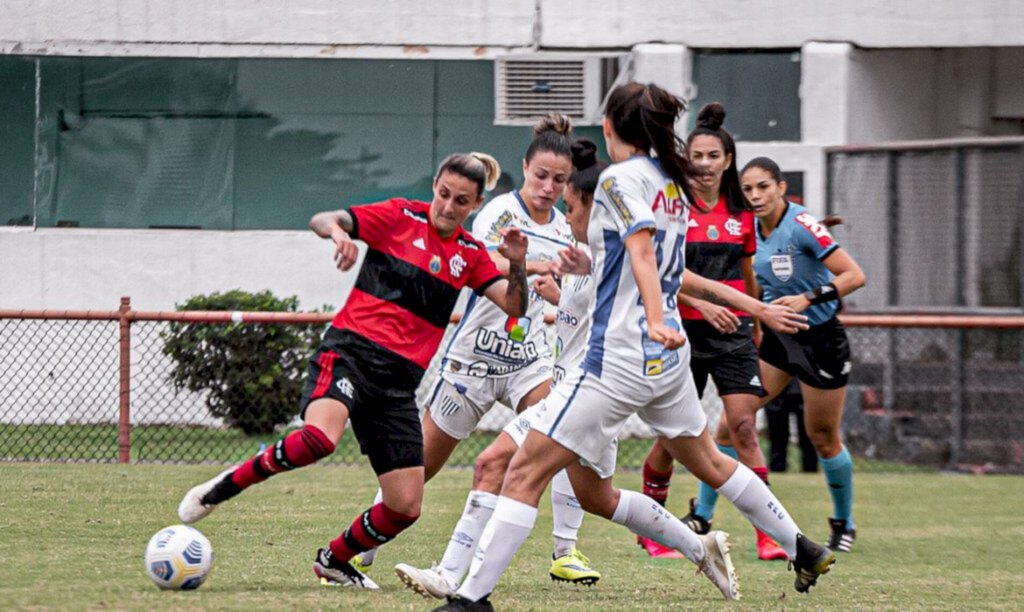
17	139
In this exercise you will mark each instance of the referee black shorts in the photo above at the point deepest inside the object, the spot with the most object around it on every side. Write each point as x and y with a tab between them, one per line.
387	426
818	357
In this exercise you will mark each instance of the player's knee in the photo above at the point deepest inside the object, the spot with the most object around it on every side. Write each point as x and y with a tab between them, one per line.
826	441
743	432
489	469
408	505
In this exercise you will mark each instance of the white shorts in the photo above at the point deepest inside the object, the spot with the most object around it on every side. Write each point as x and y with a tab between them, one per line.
518	427
585	414
459	401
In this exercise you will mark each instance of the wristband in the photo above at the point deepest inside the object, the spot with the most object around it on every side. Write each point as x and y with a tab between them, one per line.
824	293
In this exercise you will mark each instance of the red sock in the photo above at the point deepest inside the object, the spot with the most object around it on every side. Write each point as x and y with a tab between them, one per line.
656	483
297	449
762	473
372	528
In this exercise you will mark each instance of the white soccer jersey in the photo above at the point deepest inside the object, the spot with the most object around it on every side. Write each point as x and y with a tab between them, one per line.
572	322
634	195
488	342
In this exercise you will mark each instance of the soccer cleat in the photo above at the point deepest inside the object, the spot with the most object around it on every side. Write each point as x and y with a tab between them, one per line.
768	549
697	524
573	567
461	604
428	583
840	539
332	572
717	565
656	550
812	560
360	563
203	498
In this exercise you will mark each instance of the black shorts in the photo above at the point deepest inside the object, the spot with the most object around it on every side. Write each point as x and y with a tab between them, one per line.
735	372
819	357
386	425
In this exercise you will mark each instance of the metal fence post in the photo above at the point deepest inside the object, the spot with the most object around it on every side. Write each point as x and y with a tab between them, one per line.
124	427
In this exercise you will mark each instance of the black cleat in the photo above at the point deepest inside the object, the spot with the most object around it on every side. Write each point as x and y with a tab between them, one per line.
841	538
812	560
458	603
333	572
697	524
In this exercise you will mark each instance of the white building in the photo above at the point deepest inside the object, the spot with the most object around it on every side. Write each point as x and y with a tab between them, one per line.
127	125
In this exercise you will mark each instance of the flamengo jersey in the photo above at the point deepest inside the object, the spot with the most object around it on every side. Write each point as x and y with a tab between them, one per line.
488	342
789	261
572	322
633	195
410	280
716	242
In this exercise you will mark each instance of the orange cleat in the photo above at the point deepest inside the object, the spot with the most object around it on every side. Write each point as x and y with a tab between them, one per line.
768	549
656	550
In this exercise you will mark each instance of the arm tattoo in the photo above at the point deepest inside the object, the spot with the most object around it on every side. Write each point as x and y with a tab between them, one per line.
710	296
517	293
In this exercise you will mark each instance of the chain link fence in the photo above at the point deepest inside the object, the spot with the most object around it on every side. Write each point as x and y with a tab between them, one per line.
939	392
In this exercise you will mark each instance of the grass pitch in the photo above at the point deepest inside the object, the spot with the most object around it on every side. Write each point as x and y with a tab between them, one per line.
72	536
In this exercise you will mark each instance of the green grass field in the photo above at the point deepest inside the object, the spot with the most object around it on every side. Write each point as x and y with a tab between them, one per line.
72	536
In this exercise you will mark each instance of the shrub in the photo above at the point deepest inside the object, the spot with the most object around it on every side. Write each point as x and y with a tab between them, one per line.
252	374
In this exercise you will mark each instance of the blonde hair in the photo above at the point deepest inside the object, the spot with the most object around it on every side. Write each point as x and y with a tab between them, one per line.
553	122
480	168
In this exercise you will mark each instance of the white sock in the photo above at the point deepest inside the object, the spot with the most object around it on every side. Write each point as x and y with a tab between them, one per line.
646	517
508	528
466	535
370	555
567	514
756	501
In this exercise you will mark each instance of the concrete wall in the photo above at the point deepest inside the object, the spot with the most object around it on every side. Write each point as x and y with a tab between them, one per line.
91	269
345	27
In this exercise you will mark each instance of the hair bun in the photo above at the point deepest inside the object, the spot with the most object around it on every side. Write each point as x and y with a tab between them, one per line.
711	116
584	153
554	122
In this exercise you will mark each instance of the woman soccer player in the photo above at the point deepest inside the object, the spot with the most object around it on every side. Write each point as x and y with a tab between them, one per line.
800	265
634	365
574	298
720	245
373	356
497	358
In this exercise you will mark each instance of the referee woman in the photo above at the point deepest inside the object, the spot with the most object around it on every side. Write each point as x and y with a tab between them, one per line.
799	264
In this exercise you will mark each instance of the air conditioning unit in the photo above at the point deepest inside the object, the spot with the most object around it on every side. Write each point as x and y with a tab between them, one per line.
529	86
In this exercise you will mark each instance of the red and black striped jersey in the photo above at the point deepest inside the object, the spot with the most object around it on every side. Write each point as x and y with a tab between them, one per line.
409	282
716	242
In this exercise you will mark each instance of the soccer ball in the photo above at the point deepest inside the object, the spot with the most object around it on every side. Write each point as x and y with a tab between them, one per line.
179	557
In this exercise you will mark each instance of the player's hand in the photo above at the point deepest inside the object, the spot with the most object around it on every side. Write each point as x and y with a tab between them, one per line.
513	244
345	252
797	302
758	334
720	317
547	287
667	336
573	260
783	319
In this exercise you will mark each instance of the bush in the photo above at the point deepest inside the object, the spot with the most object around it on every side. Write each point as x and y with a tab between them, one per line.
252	374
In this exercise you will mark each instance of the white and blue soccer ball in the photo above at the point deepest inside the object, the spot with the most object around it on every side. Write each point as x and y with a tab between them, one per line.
179	557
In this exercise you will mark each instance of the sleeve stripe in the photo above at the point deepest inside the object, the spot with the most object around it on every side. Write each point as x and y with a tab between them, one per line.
834	248
636	227
484	286
828	251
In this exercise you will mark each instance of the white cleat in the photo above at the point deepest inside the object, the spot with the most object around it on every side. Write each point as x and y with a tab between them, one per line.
717	565
192	509
335	573
428	583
